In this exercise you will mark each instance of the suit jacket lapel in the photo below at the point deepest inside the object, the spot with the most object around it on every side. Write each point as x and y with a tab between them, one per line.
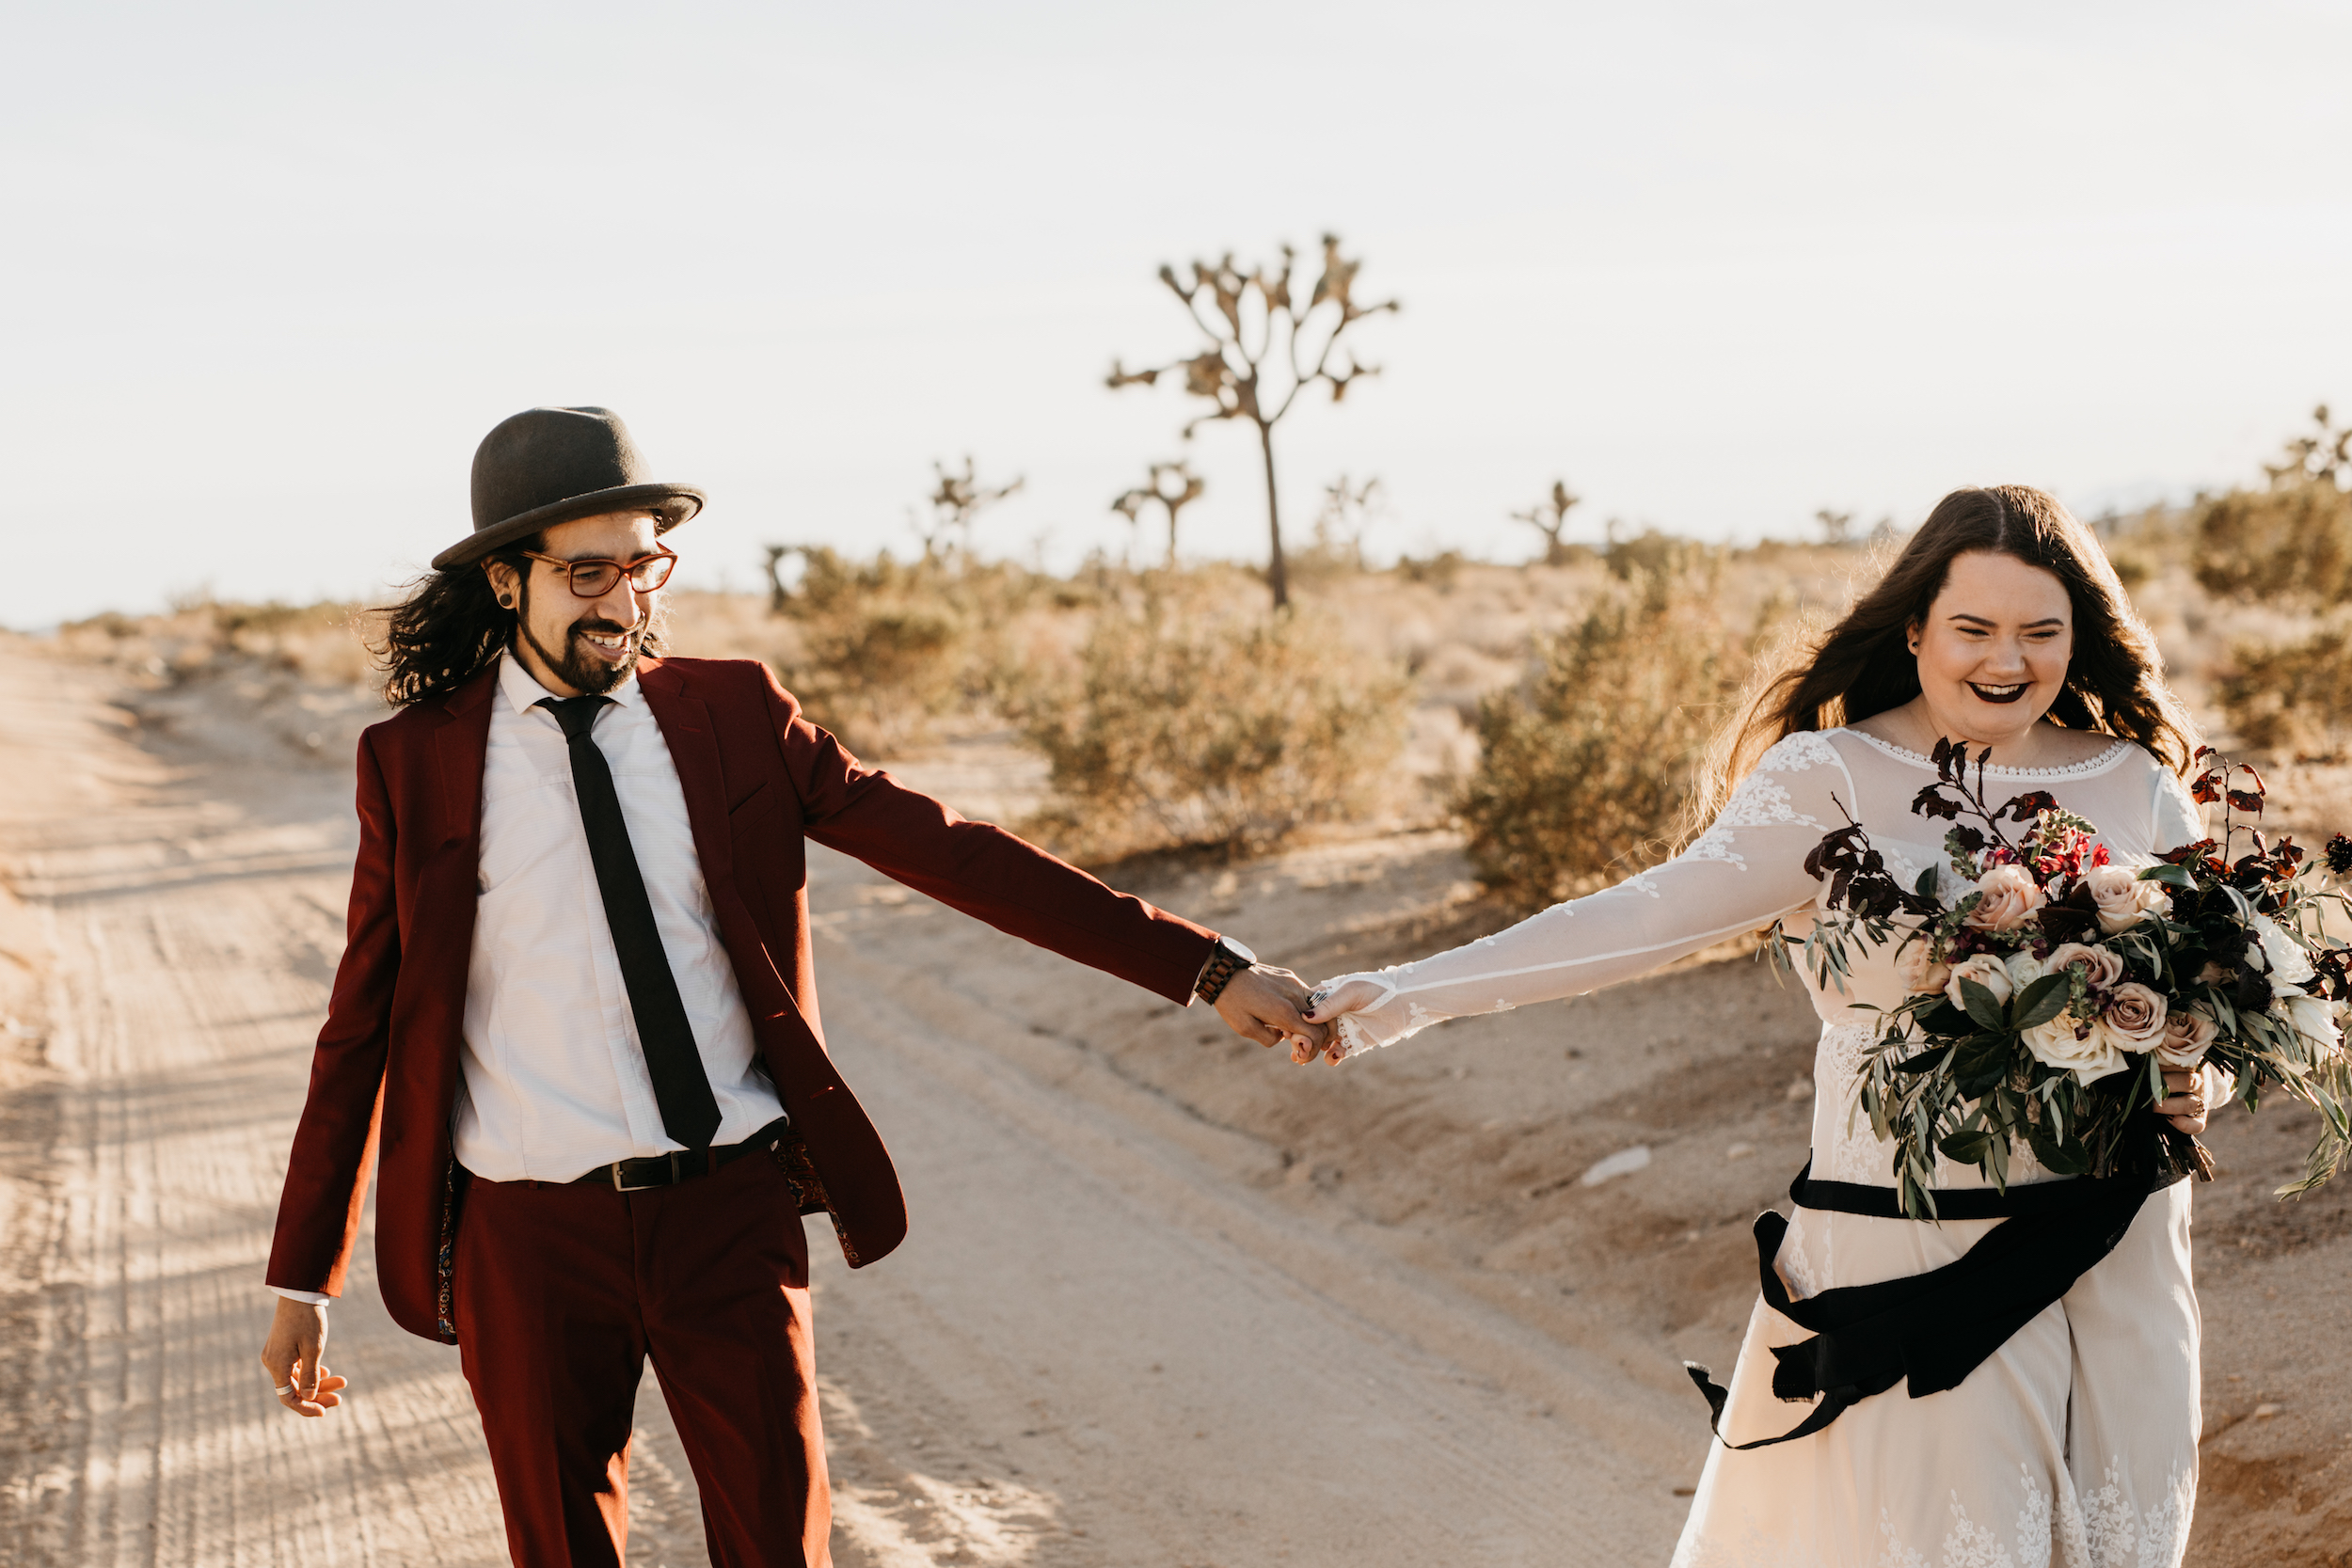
461	746
694	751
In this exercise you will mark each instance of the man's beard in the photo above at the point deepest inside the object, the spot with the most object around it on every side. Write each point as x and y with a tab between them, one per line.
577	668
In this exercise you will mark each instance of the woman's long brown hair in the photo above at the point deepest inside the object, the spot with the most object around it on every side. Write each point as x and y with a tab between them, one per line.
1864	665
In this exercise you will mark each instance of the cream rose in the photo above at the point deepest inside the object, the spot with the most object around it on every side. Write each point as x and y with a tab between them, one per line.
1985	969
2187	1035
2281	953
2024	968
1920	970
2005	899
2089	1056
2315	1018
2122	898
2104	963
2135	1017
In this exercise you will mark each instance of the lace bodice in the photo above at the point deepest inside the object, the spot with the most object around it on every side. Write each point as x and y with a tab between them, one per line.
1747	870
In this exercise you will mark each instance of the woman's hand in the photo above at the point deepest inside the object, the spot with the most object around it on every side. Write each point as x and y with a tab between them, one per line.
2184	1105
1328	1007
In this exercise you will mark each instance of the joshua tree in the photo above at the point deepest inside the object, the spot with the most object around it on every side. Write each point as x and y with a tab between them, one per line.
2323	457
958	500
1550	517
1836	528
1347	510
1264	348
778	594
1175	485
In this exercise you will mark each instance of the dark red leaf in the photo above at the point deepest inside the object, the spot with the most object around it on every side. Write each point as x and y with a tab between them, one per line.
2025	807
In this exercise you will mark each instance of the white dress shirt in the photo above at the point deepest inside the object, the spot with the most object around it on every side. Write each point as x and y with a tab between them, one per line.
555	1082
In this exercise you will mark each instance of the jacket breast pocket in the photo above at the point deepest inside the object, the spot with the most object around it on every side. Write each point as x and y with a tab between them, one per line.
756	811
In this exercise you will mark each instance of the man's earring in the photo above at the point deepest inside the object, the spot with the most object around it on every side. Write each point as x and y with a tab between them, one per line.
506	602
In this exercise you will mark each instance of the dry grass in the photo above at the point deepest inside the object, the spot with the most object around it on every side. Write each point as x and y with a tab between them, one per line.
322	643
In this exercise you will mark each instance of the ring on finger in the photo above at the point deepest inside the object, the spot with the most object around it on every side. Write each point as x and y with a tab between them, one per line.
287	1390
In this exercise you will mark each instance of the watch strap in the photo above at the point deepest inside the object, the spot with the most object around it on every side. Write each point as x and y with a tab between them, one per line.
1224	963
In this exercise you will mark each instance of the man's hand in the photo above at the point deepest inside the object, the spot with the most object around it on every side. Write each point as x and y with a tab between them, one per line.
297	1339
1269	1006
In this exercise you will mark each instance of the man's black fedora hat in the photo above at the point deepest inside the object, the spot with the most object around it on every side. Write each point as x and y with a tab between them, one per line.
549	466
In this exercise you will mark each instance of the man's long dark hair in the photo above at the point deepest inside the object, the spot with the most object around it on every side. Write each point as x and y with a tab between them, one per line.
450	626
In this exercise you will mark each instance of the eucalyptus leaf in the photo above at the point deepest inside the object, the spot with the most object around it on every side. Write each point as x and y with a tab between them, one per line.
2039	1002
1982	1006
1979	1062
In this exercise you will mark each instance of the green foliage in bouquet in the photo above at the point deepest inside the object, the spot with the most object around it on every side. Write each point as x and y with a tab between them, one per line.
2047	1002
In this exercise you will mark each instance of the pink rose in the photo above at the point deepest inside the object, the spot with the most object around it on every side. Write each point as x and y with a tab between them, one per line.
1986	970
2005	899
1919	967
2135	1017
2188	1034
2105	964
2122	898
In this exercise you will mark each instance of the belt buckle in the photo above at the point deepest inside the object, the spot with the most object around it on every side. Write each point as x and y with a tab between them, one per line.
619	1187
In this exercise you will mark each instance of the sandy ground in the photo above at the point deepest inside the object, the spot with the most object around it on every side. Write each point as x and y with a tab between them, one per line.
1168	1302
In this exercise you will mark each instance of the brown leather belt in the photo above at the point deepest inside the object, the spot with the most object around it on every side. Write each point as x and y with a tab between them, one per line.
680	1165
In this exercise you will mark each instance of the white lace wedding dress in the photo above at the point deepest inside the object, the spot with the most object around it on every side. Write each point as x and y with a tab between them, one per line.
2076	1442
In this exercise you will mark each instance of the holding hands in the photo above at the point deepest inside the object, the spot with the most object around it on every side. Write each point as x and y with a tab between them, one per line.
1336	999
1268	1005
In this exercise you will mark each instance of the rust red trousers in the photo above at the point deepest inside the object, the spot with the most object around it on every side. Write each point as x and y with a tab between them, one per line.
560	1294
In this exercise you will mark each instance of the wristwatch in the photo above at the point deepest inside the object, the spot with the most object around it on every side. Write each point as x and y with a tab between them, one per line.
1226	960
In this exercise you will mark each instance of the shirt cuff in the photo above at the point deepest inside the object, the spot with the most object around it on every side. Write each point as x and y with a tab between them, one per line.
312	1297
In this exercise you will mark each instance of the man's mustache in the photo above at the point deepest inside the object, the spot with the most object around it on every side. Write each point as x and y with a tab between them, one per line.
603	627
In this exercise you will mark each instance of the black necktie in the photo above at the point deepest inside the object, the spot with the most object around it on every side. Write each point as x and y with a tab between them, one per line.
689	1113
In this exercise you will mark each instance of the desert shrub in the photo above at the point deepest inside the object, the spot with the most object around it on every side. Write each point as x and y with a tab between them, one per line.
2289	544
2294	698
1586	764
1186	726
1441	571
1652	554
325	642
886	648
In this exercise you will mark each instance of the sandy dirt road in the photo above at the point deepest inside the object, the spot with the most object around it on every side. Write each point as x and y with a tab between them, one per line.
1167	1303
1099	1348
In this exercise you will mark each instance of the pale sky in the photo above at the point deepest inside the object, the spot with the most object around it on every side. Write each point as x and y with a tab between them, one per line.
271	271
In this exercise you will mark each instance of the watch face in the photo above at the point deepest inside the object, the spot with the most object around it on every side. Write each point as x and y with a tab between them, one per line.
1238	950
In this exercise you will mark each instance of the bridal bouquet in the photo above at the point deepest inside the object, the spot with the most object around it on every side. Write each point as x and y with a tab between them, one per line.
2045	1003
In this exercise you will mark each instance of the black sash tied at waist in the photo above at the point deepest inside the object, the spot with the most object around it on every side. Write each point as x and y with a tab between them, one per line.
1931	1329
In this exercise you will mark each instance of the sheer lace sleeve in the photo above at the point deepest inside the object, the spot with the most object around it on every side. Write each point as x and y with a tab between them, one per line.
1746	870
2179	819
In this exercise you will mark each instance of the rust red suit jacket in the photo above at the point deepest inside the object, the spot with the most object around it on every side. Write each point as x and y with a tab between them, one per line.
759	778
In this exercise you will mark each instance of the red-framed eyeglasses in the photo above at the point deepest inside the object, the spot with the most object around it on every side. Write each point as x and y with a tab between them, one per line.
593	577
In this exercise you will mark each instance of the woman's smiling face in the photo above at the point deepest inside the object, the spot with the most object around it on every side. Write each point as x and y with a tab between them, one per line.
1994	648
